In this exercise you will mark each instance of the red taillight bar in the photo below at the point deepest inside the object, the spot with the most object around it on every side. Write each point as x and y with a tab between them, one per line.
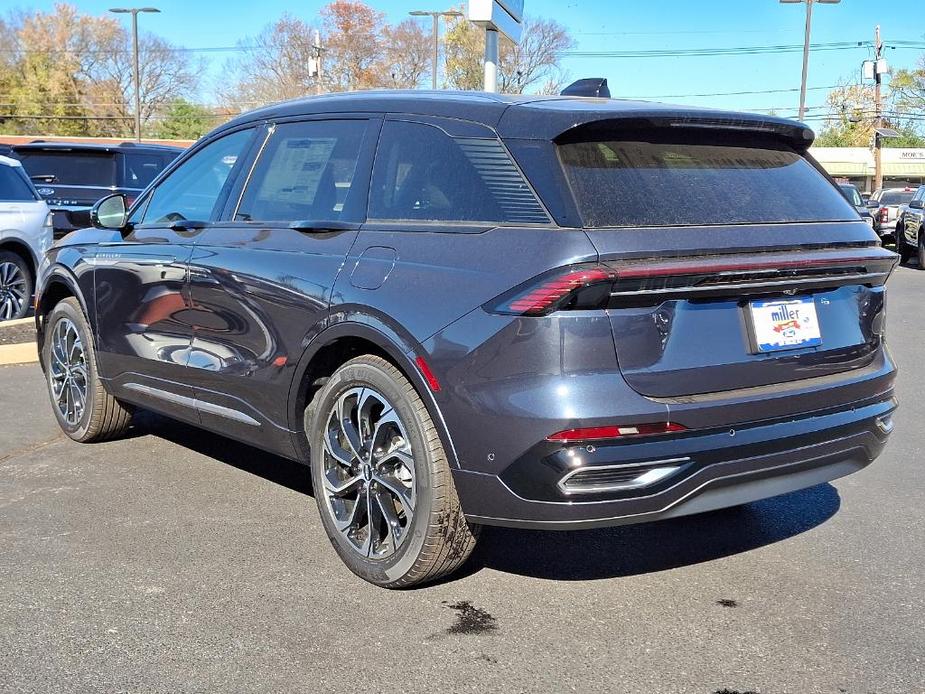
539	299
775	262
615	431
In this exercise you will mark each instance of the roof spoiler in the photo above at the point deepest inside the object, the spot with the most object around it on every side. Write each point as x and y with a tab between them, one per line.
589	86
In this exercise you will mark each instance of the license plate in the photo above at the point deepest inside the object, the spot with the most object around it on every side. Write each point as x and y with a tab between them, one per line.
780	324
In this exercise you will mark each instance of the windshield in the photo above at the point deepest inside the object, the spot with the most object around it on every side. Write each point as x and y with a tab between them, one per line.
75	168
649	180
896	197
852	195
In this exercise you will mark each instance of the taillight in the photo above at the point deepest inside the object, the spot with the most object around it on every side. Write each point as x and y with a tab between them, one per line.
615	432
574	287
129	202
884	214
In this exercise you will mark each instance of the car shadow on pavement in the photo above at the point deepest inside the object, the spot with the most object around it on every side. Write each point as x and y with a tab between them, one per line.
631	550
274	468
578	555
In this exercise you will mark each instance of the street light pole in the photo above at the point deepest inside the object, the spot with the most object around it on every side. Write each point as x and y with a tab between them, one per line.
806	34
435	18
135	69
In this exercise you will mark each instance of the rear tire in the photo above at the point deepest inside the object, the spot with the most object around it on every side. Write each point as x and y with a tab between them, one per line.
83	408
381	478
905	252
921	252
15	286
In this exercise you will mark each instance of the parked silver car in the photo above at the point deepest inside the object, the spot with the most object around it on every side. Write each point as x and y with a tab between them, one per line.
884	205
25	235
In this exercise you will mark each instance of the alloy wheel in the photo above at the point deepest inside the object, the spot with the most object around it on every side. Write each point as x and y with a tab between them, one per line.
12	290
67	371
368	473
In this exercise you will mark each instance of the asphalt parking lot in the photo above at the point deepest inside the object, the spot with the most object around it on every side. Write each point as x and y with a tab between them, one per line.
178	561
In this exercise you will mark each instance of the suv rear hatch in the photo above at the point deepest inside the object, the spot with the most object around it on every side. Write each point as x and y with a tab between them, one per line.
732	261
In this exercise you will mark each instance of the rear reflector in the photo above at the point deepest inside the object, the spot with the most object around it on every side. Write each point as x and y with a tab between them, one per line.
615	432
428	375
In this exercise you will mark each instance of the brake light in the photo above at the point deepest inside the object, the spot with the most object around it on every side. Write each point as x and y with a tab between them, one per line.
552	292
616	432
884	214
129	201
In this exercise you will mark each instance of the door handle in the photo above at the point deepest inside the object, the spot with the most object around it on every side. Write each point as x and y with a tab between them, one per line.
187	224
318	226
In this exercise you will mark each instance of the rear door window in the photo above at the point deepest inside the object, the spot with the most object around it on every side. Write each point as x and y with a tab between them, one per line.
14	187
71	168
421	173
650	180
306	172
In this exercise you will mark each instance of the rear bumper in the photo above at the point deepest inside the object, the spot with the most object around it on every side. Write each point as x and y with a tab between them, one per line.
727	468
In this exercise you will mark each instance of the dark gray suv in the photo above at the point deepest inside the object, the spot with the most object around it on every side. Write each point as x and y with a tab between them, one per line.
464	309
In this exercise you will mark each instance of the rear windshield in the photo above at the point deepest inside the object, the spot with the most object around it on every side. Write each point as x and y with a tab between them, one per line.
852	195
896	197
14	187
141	169
645	180
75	168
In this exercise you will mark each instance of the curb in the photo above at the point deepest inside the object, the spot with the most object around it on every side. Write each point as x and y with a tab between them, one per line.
18	321
22	353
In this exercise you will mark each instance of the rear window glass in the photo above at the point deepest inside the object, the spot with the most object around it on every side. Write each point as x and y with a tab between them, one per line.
647	181
141	169
13	186
852	195
898	197
77	168
421	173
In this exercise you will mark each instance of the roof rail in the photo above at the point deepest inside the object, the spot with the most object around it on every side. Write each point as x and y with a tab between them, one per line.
589	86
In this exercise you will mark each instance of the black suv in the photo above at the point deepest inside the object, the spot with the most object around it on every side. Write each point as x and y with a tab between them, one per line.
464	309
72	177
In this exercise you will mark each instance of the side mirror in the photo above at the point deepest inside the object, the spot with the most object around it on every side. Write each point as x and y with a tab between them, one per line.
109	212
917	204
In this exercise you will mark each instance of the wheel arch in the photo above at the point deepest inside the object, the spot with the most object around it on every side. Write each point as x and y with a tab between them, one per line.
57	285
22	249
337	344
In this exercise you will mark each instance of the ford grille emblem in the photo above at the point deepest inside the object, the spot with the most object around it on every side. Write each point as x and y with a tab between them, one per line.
45	192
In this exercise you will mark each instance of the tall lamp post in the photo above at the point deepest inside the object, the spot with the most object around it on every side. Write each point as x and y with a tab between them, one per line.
809	22
435	16
134	12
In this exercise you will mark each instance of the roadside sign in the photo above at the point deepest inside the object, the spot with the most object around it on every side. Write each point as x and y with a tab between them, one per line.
504	16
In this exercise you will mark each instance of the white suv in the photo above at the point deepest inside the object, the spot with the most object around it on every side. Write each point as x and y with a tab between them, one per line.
25	235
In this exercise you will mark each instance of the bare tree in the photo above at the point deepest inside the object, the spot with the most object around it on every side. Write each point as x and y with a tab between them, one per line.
276	65
535	60
533	64
355	56
71	73
408	56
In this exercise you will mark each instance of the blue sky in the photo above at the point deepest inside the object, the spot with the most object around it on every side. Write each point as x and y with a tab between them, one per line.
607	25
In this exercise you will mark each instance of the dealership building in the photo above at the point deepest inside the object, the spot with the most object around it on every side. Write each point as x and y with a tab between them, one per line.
901	167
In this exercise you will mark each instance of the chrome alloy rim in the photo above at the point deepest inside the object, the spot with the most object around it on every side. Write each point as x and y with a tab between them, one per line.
12	290
368	473
67	372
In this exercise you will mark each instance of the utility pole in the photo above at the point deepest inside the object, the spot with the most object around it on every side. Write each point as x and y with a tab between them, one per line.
435	18
878	111
806	34
314	62
135	70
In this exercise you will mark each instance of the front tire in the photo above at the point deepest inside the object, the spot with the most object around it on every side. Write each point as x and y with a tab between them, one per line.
921	252
83	408
381	478
15	286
